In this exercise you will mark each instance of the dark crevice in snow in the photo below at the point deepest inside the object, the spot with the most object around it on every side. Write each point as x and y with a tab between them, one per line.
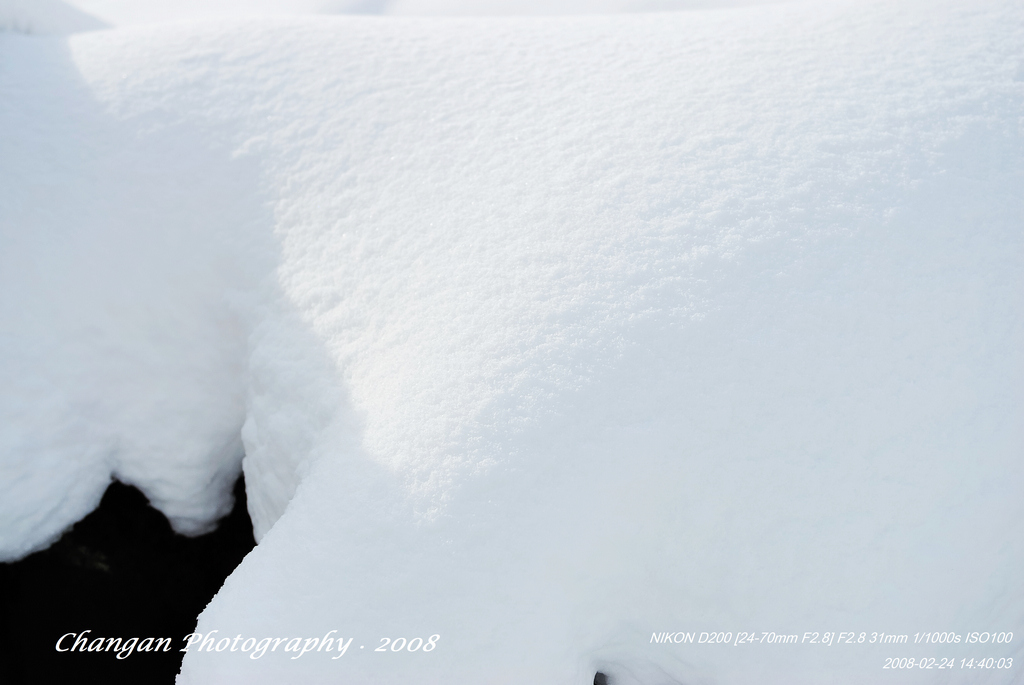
600	678
119	572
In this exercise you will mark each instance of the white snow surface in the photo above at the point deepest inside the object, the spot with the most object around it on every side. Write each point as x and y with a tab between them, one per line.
72	16
45	17
120	295
148	11
540	334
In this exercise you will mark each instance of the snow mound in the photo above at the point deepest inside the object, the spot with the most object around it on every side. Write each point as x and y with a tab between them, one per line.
541	335
123	301
45	17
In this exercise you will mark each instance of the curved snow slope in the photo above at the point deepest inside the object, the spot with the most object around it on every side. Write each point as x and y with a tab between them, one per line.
45	17
547	335
126	12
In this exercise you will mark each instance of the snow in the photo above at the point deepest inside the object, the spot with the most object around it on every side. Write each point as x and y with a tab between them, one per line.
539	334
132	12
45	17
123	342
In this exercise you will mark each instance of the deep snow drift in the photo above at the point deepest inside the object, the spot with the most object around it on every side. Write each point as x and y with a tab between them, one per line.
546	334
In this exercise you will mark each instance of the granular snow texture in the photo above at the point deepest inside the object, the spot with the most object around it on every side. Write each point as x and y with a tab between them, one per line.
547	334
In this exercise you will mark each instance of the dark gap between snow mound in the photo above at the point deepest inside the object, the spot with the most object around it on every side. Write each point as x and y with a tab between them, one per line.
120	572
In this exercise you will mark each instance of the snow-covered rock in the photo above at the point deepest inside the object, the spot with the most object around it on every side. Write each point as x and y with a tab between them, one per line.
546	334
123	301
